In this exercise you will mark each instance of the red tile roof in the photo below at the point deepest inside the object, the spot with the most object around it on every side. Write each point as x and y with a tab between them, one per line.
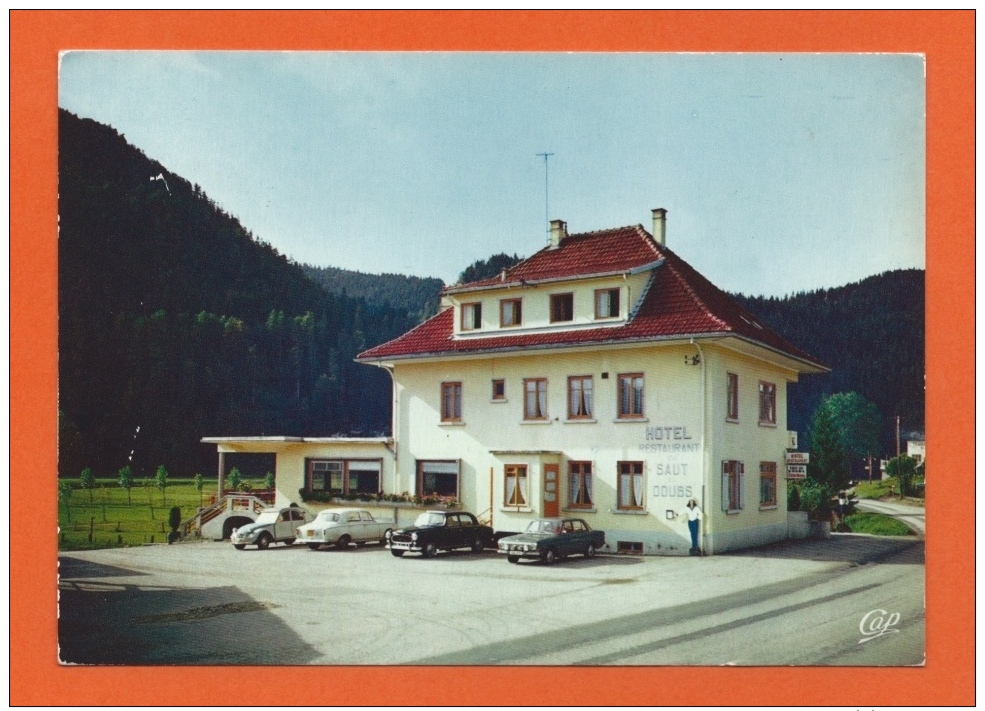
604	252
680	303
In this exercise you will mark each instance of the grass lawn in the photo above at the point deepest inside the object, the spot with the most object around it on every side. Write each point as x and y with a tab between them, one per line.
886	489
112	520
876	524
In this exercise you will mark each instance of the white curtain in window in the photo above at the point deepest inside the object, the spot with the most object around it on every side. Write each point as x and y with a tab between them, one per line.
541	399
587	478
521	487
510	489
587	398
638	489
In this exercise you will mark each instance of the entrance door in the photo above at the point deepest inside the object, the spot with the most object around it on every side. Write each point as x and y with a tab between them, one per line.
551	490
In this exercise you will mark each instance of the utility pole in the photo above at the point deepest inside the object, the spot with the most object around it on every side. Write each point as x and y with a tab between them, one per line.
547	216
899	478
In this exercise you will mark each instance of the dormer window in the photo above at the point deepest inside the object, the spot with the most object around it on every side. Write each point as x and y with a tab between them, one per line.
471	316
562	307
510	312
606	303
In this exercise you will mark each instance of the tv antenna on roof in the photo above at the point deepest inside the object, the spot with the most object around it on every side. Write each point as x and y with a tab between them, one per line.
547	216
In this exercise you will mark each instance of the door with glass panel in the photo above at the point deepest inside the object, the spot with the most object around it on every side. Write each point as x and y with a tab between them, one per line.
551	490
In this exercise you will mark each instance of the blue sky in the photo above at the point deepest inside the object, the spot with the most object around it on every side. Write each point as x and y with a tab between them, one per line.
780	172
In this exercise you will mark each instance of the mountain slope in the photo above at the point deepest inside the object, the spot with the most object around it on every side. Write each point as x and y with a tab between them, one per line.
872	335
176	323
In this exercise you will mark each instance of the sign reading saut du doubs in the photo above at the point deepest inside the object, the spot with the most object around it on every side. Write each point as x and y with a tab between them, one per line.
796	471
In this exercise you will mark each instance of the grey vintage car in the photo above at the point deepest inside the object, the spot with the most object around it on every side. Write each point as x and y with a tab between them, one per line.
272	525
548	539
340	527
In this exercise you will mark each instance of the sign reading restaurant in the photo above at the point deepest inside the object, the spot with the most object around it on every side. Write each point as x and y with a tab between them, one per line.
798	457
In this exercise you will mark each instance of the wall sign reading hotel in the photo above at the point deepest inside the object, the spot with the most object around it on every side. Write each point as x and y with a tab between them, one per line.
798	457
672	438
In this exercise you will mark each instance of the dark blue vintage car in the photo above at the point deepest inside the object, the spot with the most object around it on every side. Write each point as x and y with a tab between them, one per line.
440	530
548	539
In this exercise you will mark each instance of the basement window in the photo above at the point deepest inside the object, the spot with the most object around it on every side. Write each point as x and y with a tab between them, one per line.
629	548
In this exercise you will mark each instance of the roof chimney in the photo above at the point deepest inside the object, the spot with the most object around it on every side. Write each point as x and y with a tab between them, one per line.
559	232
660	226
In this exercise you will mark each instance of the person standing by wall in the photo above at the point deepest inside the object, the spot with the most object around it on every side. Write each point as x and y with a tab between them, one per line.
694	516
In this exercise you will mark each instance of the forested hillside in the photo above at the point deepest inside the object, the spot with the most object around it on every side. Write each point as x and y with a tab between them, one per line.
870	333
176	323
419	295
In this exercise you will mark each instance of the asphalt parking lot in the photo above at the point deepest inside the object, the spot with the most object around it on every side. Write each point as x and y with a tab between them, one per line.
207	603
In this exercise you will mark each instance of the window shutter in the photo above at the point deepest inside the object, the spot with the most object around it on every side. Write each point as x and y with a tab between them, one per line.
742	474
724	486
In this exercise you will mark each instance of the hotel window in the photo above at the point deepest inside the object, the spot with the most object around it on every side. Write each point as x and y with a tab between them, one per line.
606	303
515	485
732	476
471	316
510	312
630	486
631	395
580	485
767	403
498	389
535	399
767	484
580	397
451	402
562	307
340	477
733	398
437	478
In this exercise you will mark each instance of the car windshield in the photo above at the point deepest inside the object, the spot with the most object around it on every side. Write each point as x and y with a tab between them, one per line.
429	519
542	527
328	517
268	517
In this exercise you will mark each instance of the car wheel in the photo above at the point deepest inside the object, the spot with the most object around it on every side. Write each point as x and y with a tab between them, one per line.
263	542
513	558
239	546
397	554
477	545
288	541
430	550
590	551
549	557
314	546
343	542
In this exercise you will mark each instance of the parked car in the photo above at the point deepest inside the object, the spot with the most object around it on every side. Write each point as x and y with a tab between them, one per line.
548	539
441	530
273	525
340	527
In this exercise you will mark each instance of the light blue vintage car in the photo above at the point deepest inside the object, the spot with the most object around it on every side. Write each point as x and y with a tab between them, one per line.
548	539
273	525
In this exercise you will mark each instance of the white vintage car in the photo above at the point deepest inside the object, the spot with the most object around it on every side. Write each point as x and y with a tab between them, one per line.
340	527
272	525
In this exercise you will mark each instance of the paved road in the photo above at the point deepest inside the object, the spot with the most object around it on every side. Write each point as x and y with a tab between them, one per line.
913	516
205	603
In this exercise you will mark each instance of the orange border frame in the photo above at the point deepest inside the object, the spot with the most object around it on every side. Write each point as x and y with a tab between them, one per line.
946	38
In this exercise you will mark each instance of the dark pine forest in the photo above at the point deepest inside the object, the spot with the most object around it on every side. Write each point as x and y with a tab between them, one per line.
175	319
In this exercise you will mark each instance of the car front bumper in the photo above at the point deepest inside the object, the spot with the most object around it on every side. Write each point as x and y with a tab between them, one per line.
520	553
412	546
